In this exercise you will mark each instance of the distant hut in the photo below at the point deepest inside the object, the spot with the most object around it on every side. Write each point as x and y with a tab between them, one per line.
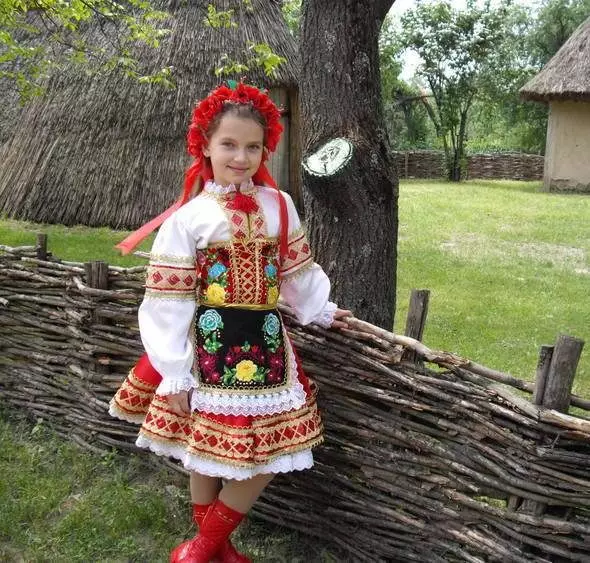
106	151
564	83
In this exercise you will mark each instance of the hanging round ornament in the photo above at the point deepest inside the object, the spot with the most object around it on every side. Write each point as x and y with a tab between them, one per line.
330	158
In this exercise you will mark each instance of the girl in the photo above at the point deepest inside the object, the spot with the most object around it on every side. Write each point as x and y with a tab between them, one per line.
220	387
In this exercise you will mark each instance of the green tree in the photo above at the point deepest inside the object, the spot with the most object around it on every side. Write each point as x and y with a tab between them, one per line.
38	37
460	51
555	22
42	36
292	14
405	117
501	120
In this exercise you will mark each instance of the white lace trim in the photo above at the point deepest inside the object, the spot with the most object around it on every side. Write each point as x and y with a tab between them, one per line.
116	412
282	464
171	385
212	188
293	397
326	317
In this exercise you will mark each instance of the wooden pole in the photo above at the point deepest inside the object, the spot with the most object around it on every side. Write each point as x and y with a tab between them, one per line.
543	365
97	277
562	371
556	370
97	274
41	246
416	319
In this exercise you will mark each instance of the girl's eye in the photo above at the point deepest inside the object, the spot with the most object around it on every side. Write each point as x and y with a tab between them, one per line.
227	144
255	147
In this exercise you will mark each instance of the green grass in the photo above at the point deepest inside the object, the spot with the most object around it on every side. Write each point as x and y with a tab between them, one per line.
508	267
75	244
60	504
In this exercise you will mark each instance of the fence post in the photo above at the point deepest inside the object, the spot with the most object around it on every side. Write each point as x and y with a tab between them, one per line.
416	319
97	274
556	370
41	246
97	277
543	365
562	371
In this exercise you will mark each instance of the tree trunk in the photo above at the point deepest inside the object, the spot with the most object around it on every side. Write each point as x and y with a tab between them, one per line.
351	214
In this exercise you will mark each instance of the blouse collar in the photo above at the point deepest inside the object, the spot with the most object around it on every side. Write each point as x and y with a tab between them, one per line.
215	189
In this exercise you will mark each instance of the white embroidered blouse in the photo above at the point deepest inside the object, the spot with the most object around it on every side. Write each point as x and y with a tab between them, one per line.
165	318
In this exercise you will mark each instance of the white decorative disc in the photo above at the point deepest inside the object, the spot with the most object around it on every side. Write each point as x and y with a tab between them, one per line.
330	158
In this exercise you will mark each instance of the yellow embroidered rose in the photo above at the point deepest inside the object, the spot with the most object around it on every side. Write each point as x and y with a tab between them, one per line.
215	294
245	370
273	295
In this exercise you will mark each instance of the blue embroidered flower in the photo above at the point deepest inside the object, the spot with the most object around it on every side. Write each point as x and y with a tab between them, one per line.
216	270
210	320
271	325
270	270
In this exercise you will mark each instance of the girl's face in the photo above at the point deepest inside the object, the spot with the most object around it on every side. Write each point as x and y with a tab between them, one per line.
235	150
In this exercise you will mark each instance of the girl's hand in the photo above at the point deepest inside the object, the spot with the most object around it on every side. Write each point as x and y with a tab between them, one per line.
341	317
179	403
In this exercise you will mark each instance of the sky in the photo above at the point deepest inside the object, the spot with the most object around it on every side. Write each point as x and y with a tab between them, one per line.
401	6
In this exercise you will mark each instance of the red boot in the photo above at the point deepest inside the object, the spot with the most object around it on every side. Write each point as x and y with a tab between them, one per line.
228	553
179	552
216	527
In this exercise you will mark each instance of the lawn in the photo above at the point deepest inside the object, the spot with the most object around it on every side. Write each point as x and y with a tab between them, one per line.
508	268
60	504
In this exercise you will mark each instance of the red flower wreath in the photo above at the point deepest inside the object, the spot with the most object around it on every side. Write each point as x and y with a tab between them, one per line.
208	108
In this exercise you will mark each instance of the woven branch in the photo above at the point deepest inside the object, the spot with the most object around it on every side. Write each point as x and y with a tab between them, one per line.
420	461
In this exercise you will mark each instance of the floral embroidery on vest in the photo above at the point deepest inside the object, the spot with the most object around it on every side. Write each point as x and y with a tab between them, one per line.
258	362
244	270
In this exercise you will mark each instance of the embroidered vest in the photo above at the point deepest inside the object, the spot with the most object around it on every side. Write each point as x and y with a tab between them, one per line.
245	270
244	363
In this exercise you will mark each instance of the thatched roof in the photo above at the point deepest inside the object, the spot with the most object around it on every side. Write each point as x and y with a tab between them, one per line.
9	110
107	151
567	75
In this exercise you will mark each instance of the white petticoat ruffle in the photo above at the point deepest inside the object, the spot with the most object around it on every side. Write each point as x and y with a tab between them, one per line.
282	464
293	397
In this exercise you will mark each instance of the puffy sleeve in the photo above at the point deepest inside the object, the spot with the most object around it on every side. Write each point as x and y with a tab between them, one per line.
304	285
167	311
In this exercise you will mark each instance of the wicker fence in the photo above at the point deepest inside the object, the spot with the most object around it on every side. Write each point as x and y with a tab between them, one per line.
507	166
428	456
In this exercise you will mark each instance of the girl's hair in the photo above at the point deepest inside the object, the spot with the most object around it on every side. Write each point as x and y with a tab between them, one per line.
243	111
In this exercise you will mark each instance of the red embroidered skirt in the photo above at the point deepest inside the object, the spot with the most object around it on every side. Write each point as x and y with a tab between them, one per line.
229	446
